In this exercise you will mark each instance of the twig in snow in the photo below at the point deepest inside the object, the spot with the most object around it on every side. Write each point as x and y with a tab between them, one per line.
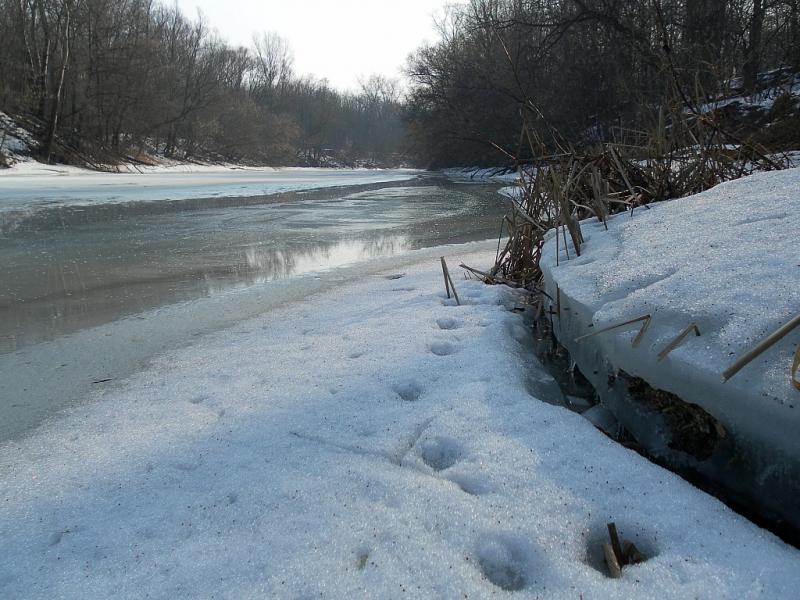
636	341
615	545
761	347
614	568
450	279
677	341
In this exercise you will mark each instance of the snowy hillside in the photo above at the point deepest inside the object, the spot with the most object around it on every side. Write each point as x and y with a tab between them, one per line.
377	441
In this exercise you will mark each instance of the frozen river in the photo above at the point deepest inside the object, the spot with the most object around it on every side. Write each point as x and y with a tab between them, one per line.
98	273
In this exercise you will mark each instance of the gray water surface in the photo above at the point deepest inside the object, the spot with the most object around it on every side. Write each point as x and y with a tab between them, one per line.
90	293
68	268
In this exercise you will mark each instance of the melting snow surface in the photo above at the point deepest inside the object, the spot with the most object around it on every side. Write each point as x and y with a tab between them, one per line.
374	441
727	259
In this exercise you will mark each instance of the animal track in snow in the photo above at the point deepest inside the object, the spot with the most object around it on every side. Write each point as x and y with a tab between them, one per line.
504	562
443	348
410	391
474	486
447	323
440	453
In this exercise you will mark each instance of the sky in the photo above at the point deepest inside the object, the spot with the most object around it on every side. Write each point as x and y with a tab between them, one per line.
339	40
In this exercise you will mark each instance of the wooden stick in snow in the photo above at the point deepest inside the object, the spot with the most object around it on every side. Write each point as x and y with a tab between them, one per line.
450	279
760	348
677	341
444	274
615	545
614	568
636	340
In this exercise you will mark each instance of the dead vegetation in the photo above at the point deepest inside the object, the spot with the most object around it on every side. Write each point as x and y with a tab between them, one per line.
684	152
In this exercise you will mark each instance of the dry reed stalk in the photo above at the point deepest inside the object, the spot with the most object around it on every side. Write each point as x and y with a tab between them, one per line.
682	155
761	347
644	319
678	339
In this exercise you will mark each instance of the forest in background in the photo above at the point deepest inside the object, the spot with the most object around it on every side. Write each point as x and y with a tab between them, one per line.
589	69
103	81
98	81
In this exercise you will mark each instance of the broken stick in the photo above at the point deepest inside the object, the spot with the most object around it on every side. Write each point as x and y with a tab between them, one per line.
449	279
614	568
636	341
761	347
677	341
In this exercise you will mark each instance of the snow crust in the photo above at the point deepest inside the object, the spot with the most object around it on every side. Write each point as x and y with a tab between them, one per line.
482	175
726	260
32	185
373	441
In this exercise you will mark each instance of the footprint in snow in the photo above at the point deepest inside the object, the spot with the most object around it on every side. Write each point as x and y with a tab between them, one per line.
410	391
443	348
447	323
505	562
472	485
440	453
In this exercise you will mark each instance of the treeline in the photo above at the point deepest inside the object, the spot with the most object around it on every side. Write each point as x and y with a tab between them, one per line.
114	79
581	67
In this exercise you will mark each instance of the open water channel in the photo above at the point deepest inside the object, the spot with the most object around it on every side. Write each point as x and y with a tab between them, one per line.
97	278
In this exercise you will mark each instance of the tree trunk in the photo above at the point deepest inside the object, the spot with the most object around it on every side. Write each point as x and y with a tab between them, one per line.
703	34
794	24
753	51
56	105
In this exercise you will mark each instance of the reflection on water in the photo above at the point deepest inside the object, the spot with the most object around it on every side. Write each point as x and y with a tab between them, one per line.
72	268
266	265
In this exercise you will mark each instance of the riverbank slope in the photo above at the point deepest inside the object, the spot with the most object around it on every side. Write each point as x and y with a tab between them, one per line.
722	264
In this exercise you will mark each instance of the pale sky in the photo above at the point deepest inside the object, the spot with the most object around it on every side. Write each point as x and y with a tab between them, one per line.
339	40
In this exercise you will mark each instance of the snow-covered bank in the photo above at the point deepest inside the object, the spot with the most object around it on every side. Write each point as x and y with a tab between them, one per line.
373	441
502	175
481	174
726	260
30	186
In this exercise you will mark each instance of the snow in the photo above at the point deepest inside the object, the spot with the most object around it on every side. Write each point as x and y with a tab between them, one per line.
727	260
374	440
763	100
14	140
502	175
30	186
512	192
482	175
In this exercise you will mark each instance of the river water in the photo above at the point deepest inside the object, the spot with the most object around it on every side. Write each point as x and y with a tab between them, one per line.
90	289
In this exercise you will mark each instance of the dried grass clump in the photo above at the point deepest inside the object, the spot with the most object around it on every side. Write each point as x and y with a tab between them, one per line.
684	153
